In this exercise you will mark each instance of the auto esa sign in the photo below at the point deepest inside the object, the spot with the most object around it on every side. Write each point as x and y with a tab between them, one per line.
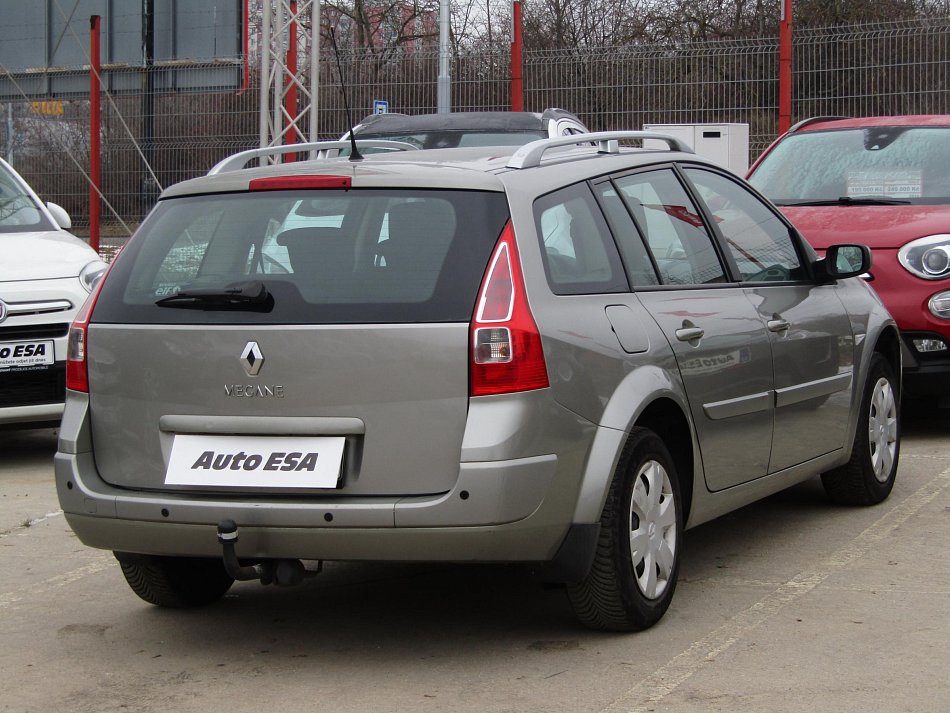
17	355
255	461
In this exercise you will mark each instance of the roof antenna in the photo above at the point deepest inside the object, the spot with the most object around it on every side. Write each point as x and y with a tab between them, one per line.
355	154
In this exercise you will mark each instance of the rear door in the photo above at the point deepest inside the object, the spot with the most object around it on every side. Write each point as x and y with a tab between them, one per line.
721	346
356	359
808	327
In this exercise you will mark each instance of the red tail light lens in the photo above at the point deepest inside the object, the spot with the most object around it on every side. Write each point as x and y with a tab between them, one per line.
507	356
77	374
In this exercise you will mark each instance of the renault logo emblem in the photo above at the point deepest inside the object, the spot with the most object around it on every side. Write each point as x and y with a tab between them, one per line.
252	359
3	311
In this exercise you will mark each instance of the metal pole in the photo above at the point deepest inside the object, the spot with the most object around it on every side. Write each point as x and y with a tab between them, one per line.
314	68
444	89
517	87
149	189
94	129
265	78
785	68
9	147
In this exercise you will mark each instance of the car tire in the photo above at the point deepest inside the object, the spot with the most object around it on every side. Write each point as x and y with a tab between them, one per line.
630	584
868	477
175	582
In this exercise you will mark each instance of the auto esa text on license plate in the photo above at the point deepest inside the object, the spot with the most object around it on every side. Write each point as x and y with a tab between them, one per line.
20	354
255	461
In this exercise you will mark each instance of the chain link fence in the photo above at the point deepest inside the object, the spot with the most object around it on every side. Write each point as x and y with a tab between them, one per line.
894	68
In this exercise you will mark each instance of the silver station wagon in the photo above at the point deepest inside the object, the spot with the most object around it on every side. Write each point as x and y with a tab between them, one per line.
563	354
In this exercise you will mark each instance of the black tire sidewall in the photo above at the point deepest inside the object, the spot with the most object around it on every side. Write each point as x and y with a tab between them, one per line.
647	447
876	489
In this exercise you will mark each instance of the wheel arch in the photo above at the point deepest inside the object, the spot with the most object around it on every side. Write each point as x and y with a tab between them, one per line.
666	419
888	345
666	416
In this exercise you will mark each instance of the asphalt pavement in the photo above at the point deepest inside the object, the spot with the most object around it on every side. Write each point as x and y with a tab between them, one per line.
790	604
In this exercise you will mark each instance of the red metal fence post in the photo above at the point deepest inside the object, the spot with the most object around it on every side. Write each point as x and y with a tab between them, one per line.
785	68
290	100
517	87
94	133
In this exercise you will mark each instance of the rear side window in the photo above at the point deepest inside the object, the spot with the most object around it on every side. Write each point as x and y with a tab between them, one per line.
325	256
676	236
579	254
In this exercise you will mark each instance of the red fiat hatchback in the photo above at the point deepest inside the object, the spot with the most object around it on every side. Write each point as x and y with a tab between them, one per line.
883	182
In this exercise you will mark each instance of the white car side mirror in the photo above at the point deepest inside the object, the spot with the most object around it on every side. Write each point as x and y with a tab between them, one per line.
60	216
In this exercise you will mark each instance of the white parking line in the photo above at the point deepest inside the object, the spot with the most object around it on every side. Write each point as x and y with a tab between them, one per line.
647	693
102	562
30	523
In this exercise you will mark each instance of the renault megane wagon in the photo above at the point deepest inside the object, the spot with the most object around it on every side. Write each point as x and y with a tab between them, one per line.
564	353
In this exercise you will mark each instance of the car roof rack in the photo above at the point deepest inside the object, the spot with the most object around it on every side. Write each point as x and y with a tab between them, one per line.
237	161
814	120
529	155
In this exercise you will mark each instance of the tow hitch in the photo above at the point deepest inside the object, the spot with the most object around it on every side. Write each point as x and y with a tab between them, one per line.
284	572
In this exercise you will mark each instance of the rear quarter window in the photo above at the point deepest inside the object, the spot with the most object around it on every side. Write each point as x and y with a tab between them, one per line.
579	254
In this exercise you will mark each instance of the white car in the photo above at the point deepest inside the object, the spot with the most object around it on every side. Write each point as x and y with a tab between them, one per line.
45	275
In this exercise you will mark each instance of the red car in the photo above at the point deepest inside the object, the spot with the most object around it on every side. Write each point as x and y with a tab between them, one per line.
884	182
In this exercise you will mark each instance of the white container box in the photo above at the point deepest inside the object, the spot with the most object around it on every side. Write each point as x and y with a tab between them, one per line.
726	144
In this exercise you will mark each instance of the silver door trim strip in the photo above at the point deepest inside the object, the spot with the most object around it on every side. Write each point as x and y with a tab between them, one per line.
740	406
812	390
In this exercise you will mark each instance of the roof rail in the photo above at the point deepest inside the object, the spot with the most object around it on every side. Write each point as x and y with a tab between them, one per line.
814	120
237	161
530	154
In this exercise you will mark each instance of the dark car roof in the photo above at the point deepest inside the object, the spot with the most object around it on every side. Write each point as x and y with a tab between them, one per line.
463	120
827	123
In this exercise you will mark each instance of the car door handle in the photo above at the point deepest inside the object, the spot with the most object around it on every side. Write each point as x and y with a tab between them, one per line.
688	334
777	325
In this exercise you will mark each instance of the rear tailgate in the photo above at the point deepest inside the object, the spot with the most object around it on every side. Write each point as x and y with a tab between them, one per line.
397	395
341	367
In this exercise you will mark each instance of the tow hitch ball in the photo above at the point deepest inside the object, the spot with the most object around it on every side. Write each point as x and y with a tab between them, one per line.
283	572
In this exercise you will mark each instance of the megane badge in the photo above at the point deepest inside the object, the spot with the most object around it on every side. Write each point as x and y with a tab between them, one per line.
252	359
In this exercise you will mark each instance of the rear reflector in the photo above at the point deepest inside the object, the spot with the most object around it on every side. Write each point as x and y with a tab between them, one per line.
283	183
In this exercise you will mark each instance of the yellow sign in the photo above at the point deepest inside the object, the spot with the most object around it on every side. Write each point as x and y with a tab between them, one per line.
50	108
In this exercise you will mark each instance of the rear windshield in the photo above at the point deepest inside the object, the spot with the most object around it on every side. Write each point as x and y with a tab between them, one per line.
898	162
324	256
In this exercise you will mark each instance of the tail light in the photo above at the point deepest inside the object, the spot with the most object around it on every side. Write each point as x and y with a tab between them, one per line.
507	356
77	375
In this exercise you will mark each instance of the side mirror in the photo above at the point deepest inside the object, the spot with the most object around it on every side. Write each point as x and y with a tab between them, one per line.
843	261
60	216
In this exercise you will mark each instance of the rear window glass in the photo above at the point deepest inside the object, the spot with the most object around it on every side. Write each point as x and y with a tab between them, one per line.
331	257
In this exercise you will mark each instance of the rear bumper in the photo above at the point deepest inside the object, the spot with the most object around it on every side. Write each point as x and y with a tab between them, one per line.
494	513
34	414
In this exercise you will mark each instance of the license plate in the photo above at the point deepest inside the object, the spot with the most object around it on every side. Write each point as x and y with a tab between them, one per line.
20	354
256	461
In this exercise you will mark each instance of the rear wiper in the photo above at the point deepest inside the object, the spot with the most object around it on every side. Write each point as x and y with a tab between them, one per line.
846	200
249	296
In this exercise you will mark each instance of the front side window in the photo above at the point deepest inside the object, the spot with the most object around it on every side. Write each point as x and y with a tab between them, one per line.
676	237
760	243
18	211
